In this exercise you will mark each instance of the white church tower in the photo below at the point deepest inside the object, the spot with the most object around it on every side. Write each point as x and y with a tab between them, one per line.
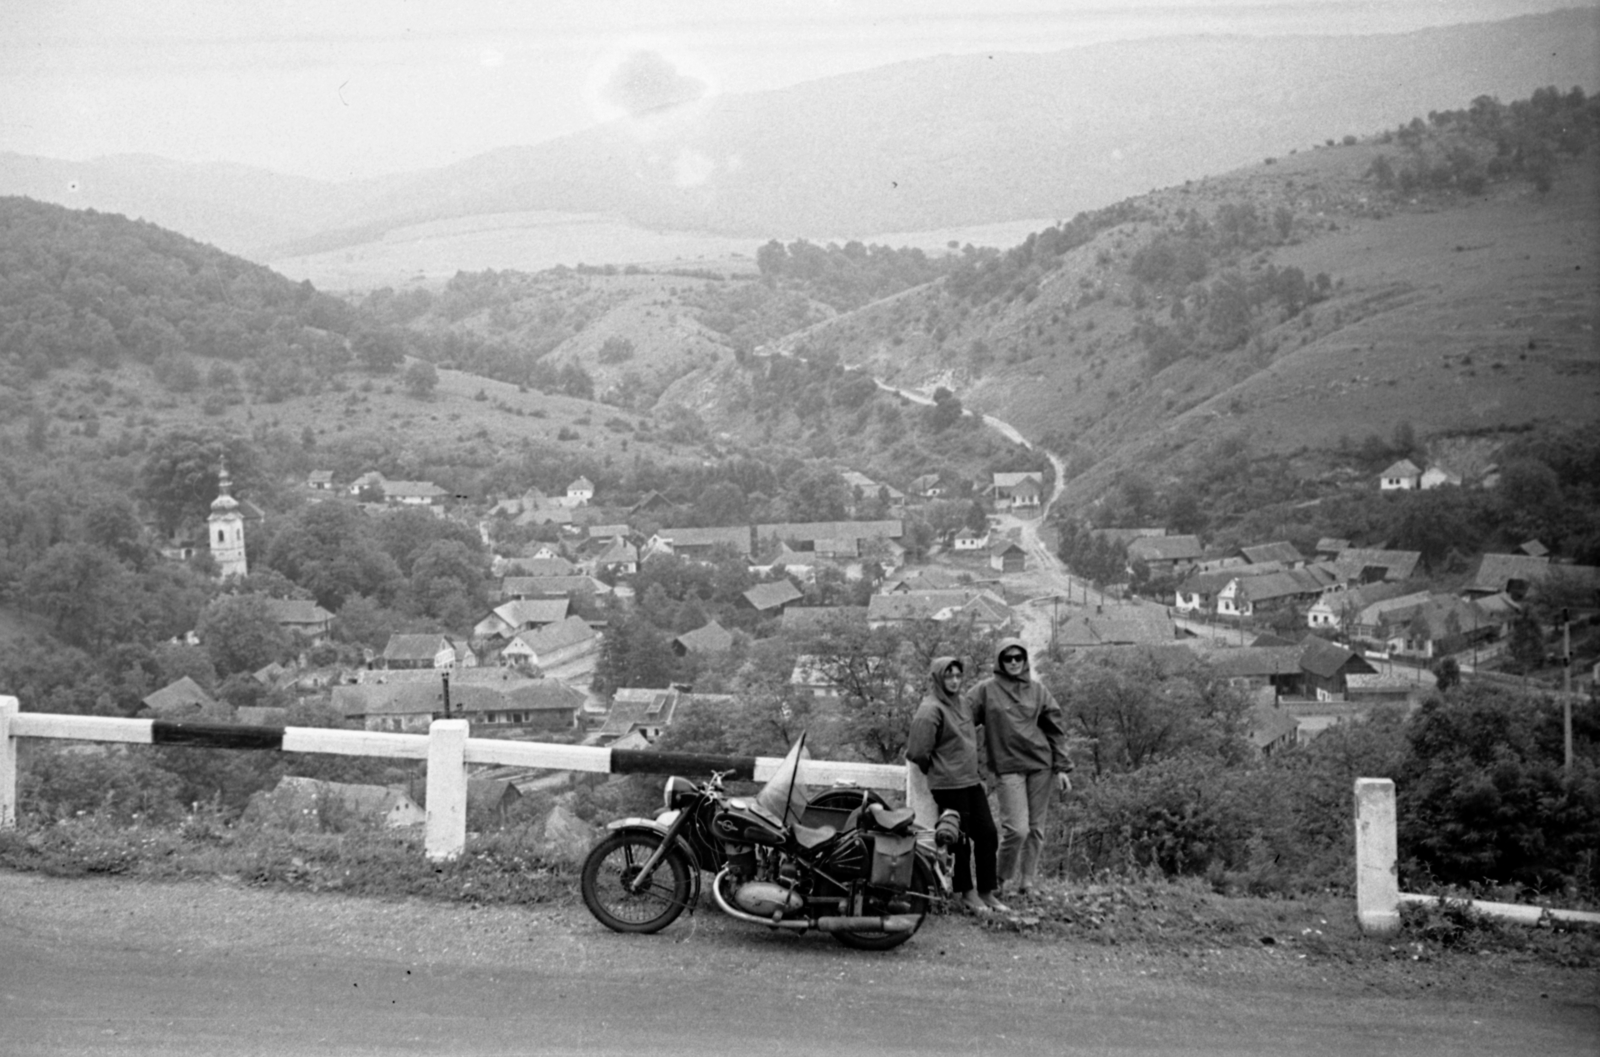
226	530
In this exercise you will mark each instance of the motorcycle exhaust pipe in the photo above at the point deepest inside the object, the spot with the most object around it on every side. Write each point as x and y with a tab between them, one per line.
891	923
833	923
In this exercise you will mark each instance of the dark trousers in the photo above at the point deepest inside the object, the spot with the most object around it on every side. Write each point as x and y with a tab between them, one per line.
978	826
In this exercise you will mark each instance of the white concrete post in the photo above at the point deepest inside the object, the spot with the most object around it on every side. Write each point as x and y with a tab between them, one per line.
1377	874
8	763
918	798
446	834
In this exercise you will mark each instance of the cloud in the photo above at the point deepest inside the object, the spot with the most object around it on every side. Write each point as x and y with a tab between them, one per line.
647	82
691	168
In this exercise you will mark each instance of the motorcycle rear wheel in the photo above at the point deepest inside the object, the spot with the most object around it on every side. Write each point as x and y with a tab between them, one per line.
615	862
872	901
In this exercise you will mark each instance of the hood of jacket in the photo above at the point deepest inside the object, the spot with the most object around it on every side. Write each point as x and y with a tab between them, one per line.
1012	644
936	672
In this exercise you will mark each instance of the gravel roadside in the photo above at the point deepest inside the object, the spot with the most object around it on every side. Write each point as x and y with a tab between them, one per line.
119	967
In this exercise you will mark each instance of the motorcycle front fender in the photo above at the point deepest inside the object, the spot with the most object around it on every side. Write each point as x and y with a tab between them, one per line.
655	825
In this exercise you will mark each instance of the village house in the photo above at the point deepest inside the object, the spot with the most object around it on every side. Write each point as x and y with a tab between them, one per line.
410	706
1327	665
771	598
846	539
1404	475
184	699
552	644
302	617
1282	553
1339	610
515	588
1007	556
519	615
580	492
320	480
699	543
419	651
970	540
642	711
1165	555
1246	596
1277	668
1022	490
927	486
619	558
1370	564
983	608
707	640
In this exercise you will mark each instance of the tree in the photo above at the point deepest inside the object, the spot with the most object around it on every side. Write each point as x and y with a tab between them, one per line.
179	477
241	635
329	549
421	378
1446	673
82	590
378	349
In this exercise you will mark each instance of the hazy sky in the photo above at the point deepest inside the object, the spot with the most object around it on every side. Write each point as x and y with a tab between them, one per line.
346	88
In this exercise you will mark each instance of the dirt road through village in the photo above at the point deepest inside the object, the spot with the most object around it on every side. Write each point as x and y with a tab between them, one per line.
103	967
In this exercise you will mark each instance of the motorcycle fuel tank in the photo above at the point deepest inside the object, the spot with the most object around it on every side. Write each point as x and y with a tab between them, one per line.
765	899
747	822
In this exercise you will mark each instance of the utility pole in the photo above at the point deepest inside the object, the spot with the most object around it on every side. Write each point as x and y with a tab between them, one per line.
1566	685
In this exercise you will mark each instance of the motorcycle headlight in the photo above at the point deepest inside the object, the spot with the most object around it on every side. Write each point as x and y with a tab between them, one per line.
677	791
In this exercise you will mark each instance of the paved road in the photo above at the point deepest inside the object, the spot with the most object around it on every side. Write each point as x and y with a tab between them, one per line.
101	967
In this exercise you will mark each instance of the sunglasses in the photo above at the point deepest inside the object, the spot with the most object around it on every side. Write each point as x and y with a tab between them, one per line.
1013	658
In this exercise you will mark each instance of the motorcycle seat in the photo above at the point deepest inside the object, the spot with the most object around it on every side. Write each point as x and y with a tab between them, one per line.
892	820
809	837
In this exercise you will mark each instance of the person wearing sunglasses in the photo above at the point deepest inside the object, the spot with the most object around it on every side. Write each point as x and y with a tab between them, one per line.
1025	734
943	744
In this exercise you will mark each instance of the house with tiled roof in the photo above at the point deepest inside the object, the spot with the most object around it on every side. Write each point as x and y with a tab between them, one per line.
1165	555
320	480
551	644
708	639
413	493
771	598
410	706
1007	556
970	540
1404	475
1326	665
513	588
1341	609
416	651
639	710
982	607
302	616
519	615
1282	552
803	535
1248	595
688	542
1017	489
1512	574
1370	564
182	699
580	492
619	556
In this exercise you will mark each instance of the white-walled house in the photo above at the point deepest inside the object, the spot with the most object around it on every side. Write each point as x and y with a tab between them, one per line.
1402	476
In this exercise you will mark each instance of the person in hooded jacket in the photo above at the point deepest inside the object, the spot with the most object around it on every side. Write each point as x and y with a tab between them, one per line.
943	744
1025	734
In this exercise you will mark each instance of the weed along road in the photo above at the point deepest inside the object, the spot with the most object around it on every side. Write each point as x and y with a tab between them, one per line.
117	967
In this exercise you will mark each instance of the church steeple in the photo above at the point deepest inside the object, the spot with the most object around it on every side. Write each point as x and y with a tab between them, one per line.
225	528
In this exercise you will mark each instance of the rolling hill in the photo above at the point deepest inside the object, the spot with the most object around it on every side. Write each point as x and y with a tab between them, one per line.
939	143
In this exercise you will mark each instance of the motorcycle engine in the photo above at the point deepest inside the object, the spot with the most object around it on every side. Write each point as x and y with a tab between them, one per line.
765	898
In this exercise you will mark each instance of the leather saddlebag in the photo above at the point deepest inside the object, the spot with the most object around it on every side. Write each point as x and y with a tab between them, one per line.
892	859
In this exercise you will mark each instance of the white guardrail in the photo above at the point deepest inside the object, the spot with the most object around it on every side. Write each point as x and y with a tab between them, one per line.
1378	895
447	749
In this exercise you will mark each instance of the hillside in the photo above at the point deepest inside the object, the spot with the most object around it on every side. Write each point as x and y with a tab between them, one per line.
938	143
1351	308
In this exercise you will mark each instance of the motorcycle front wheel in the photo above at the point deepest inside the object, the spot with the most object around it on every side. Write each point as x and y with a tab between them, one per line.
872	902
611	868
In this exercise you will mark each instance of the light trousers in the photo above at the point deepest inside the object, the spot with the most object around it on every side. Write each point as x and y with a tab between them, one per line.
1024	801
